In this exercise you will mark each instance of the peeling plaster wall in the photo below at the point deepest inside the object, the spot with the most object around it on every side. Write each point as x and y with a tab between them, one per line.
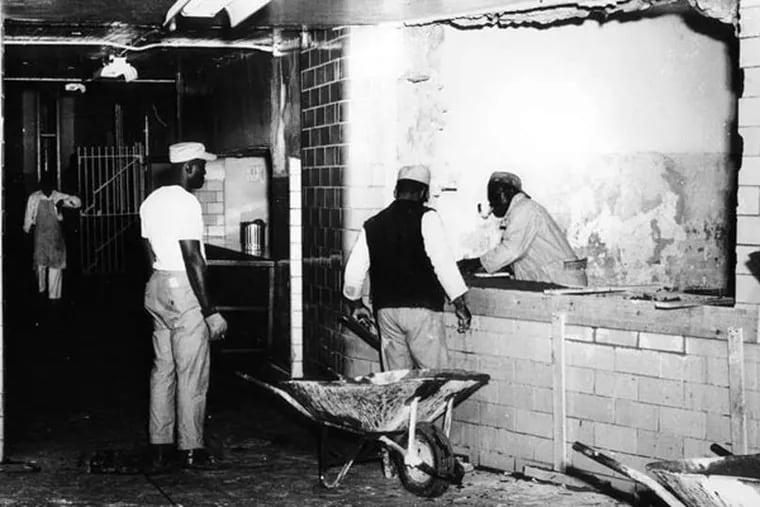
622	130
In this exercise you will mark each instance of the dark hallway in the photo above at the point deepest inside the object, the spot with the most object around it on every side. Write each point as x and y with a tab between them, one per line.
77	386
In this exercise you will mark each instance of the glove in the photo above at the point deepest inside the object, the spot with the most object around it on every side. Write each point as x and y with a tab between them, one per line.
217	326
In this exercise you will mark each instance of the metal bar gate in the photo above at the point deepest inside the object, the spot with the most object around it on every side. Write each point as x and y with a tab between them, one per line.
112	186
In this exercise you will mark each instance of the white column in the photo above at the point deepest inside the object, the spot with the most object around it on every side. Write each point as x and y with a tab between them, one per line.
296	269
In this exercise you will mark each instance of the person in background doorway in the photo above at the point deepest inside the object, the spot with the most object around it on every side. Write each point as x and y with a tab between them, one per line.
532	243
43	219
412	271
184	319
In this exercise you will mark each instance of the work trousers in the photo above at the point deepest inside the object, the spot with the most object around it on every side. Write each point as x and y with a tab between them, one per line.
49	279
180	375
412	338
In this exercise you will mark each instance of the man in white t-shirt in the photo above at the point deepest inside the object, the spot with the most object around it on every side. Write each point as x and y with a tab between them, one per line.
184	320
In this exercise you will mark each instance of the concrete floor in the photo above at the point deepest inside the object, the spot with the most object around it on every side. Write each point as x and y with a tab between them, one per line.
76	385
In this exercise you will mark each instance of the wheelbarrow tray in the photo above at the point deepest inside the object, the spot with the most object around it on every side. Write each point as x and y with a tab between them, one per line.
380	405
729	481
380	402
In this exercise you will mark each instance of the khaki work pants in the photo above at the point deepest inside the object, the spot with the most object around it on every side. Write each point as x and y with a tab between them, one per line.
412	338
180	375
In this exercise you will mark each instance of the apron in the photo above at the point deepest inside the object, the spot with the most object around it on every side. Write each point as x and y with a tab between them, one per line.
49	246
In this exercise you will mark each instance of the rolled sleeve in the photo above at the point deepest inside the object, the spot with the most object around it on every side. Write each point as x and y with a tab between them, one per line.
72	201
439	253
356	269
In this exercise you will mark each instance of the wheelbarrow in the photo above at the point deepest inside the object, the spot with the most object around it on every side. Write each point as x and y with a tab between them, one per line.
396	408
724	481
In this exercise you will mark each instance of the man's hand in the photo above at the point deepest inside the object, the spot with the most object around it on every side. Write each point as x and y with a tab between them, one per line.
464	317
469	266
361	313
217	326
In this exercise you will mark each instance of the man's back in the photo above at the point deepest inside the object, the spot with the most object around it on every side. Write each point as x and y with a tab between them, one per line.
401	272
548	250
168	215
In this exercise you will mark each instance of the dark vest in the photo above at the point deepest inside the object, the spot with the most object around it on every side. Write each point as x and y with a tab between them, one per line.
400	272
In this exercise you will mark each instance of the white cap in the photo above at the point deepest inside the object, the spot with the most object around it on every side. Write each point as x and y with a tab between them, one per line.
414	172
183	152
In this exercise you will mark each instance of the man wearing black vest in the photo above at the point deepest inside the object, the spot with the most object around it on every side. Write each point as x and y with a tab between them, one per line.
412	272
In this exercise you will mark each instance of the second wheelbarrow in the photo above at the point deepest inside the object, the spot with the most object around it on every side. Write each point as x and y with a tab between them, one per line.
726	481
396	408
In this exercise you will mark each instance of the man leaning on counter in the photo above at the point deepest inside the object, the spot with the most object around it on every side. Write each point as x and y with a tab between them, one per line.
532	243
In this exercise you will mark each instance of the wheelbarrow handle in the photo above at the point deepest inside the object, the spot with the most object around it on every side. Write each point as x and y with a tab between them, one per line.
361	331
640	477
279	392
602	459
720	450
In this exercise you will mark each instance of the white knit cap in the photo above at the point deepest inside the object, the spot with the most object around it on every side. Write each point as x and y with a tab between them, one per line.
414	172
183	152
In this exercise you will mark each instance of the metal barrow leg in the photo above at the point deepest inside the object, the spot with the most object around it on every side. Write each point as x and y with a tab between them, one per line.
640	477
323	461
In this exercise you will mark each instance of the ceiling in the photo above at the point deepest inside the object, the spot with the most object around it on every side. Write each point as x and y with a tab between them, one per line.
70	39
292	13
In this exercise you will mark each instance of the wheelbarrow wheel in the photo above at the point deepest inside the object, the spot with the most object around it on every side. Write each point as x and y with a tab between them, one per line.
434	448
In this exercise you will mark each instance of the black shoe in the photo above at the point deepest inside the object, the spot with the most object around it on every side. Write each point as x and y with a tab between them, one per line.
162	458
199	459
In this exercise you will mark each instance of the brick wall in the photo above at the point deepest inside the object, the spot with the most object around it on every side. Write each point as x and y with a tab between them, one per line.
638	395
748	195
323	147
211	197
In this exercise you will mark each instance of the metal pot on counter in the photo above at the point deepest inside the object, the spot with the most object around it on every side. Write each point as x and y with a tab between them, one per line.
253	237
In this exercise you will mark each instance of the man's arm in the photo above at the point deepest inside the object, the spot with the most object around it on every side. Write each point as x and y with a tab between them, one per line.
354	276
196	268
30	215
445	267
68	201
195	265
519	232
150	256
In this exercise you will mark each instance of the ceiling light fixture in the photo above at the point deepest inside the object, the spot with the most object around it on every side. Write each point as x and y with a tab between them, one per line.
237	10
117	67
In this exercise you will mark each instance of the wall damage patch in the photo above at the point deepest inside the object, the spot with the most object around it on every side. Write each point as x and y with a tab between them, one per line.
547	13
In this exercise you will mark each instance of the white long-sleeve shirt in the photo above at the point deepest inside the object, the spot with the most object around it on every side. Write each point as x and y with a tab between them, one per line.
30	217
534	245
436	248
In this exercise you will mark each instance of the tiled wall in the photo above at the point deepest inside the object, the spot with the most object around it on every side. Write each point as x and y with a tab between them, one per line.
323	143
637	395
211	197
748	209
296	270
2	327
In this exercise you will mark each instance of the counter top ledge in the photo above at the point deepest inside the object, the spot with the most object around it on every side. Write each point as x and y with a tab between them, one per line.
614	312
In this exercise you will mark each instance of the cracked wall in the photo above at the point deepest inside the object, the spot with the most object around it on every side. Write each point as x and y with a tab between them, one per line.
622	130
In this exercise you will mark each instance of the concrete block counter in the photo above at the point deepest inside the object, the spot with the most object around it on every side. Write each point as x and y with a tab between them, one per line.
641	383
